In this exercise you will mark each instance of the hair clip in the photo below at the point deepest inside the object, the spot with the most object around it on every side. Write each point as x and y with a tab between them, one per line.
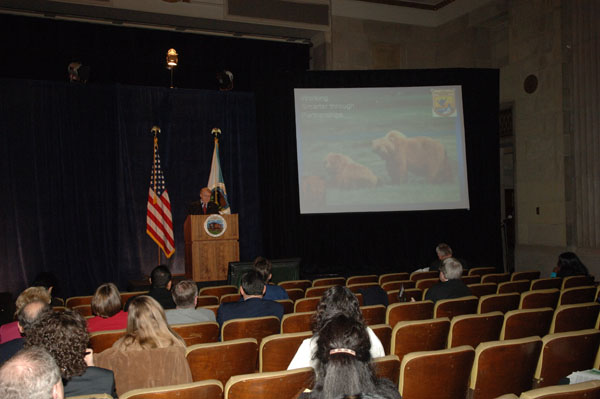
342	350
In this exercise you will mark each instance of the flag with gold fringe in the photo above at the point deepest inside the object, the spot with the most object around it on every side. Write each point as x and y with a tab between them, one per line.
215	180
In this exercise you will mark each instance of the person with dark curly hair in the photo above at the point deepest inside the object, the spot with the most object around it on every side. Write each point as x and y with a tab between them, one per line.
335	301
344	362
64	335
569	265
107	308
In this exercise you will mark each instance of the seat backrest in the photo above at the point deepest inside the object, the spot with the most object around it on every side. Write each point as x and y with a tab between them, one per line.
277	351
416	380
579	316
536	299
374	314
546	283
387	367
471	279
197	333
207	300
302	284
288	384
396	285
328	281
406	311
425	283
288	305
94	396
480	289
295	293
498	302
576	281
525	275
78	300
126	295
513	286
482	271
564	353
306	304
416	276
502	367
472	329
384	333
212	308
455	307
358	286
296	322
226	298
254	327
589	390
221	360
572	295
84	310
102	340
384	278
208	389
218	290
316	292
495	278
371	278
523	323
419	335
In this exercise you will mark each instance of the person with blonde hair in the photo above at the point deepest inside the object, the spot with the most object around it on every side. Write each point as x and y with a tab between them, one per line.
107	308
149	354
10	331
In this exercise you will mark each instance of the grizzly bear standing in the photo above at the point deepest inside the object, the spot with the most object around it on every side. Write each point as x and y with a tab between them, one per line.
420	156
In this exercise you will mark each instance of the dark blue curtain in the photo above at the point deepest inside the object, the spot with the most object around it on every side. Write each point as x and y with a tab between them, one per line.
76	164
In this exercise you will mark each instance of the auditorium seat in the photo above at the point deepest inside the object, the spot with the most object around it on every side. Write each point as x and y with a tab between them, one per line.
219	290
222	360
296	322
384	333
306	304
387	367
525	275
498	302
406	311
254	327
536	299
370	278
361	286
546	283
471	279
213	308
227	298
472	329
374	314
419	335
288	384
416	276
575	317
197	333
576	281
480	289
329	281
277	351
564	353
59	308
513	286
207	389
495	278
102	340
206	300
384	278
426	283
288	305
301	284
573	295
96	396
316	292
408	293
523	323
84	310
481	271
502	367
583	390
454	307
439	374
295	293
126	295
78	300
396	285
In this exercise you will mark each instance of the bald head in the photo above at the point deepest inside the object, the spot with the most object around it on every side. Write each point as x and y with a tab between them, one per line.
30	313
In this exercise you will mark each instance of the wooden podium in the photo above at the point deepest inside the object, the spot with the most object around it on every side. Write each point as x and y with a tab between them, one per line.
207	257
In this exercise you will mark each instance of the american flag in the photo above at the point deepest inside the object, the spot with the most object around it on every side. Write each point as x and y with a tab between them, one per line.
159	223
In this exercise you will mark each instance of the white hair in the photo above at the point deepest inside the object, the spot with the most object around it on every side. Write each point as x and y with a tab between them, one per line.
31	373
451	268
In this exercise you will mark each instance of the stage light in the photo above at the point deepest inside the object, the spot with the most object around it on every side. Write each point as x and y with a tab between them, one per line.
172	61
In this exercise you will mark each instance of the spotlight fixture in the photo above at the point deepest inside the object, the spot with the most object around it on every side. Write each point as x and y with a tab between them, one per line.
172	60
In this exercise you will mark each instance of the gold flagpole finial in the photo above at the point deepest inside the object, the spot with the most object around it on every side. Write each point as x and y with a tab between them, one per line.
155	130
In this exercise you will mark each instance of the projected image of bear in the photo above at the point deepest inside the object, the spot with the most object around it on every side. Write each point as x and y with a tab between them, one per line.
345	173
418	157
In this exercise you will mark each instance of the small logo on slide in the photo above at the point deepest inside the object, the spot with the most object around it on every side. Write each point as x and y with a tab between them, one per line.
215	225
444	103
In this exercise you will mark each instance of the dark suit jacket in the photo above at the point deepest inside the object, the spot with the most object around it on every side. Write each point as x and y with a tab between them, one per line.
195	208
8	349
251	307
162	296
447	290
94	380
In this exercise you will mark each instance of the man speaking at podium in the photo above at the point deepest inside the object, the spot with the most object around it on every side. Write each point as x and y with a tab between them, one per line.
204	206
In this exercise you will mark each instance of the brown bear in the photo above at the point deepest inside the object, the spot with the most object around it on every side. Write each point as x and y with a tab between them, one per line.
420	156
348	174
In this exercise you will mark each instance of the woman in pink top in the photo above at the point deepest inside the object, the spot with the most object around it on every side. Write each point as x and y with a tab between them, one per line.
106	305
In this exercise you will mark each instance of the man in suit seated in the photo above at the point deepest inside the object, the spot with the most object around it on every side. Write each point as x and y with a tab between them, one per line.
253	305
160	288
204	206
185	295
26	317
450	285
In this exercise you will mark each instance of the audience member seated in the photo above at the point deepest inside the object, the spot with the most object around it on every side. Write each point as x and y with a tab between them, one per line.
569	265
343	362
150	354
443	252
450	285
336	301
49	281
106	306
31	374
273	292
253	305
185	296
64	335
10	331
25	319
160	288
